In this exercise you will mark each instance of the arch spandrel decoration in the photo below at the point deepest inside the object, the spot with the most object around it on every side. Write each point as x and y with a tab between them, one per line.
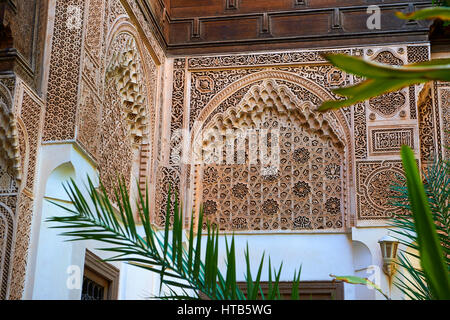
308	192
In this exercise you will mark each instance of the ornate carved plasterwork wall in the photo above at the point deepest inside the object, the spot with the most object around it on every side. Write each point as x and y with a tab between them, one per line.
213	91
167	177
389	140
140	21
83	58
427	125
441	102
23	35
101	92
204	88
126	68
262	59
10	171
95	32
9	138
381	126
389	104
125	114
415	54
176	114
360	130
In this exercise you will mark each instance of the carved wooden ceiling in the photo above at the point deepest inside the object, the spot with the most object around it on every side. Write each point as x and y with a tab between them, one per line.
216	26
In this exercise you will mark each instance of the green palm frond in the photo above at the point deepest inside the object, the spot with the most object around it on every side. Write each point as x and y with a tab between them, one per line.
186	272
412	281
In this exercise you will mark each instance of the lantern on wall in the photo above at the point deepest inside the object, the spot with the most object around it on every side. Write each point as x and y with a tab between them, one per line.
389	246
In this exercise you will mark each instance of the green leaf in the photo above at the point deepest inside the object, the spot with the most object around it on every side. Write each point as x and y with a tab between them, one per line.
198	247
364	91
431	255
442	13
231	271
439	69
191	245
256	285
94	218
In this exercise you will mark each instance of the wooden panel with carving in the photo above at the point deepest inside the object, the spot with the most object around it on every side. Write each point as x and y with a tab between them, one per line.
207	26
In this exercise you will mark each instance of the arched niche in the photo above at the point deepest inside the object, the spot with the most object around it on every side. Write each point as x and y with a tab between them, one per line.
128	115
50	273
309	191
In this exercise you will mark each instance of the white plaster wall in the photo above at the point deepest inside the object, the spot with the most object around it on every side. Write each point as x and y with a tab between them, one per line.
53	255
319	254
136	283
50	256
